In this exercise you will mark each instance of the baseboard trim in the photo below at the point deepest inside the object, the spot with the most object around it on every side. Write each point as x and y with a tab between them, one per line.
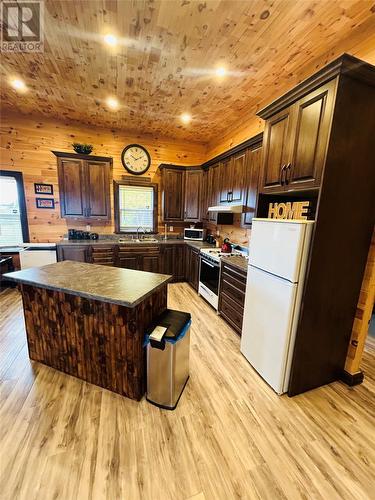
352	379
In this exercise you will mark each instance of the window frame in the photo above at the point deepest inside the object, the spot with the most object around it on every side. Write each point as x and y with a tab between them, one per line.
21	201
116	195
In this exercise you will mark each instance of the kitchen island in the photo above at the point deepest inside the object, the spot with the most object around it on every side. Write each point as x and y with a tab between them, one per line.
89	320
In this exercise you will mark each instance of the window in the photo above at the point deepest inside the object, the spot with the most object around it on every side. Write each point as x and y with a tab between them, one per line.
135	206
13	221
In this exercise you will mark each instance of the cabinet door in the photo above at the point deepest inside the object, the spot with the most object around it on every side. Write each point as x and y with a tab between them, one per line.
213	190
97	189
276	149
127	258
204	196
192	267
173	194
225	182
179	263
313	119
253	167
150	263
193	185
168	259
237	174
72	188
73	252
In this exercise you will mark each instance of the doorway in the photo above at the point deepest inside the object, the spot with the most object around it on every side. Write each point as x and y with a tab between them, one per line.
14	227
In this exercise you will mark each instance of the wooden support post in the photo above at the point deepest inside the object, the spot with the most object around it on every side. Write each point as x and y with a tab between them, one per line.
352	374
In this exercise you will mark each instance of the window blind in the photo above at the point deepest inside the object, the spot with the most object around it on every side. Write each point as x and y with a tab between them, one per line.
10	219
136	208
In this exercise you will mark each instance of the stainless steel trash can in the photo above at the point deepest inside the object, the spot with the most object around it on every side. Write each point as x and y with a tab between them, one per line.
168	348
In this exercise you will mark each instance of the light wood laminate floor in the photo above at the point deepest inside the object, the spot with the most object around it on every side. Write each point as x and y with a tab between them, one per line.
230	437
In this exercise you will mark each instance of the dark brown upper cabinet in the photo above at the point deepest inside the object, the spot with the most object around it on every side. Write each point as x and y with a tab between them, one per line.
295	142
237	177
193	190
213	190
276	150
252	169
224	180
84	186
204	196
173	187
313	116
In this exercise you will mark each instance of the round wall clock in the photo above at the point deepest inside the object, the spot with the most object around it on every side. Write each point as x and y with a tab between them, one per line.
136	159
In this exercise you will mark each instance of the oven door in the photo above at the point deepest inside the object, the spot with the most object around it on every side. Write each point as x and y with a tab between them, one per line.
209	275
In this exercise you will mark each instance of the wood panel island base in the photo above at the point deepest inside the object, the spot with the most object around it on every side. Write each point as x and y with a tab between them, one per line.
89	321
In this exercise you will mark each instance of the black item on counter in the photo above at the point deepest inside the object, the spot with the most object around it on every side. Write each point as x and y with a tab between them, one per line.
94	236
86	235
72	234
210	239
79	235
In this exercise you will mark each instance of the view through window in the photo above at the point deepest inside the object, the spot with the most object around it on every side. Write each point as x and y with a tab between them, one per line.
10	217
136	208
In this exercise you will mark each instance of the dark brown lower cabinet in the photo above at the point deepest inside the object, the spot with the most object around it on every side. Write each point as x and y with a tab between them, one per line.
232	295
192	266
173	261
166	259
78	253
145	258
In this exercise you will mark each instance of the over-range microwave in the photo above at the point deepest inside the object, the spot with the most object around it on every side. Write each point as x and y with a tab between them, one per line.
194	234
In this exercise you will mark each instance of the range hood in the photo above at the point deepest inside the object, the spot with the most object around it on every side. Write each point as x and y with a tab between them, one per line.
229	209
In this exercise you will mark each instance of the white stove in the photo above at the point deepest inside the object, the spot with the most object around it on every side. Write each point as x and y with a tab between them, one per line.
209	273
216	254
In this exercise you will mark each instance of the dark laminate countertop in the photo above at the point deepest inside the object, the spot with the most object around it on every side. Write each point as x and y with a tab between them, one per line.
125	287
237	262
109	242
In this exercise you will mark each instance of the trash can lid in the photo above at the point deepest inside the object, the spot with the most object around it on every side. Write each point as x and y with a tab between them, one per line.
175	321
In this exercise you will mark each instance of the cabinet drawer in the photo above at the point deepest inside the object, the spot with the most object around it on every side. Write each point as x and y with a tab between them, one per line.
139	250
233	289
239	276
231	312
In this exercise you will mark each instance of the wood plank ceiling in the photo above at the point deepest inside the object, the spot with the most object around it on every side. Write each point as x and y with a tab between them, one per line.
166	60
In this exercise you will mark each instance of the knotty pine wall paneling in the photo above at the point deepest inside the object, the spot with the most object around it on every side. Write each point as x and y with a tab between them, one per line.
26	144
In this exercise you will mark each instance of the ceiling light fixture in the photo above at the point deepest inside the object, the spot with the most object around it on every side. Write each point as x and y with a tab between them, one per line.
221	71
110	40
18	84
186	118
112	103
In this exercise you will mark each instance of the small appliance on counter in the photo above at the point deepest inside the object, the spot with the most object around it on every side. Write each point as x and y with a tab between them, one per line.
194	234
76	234
210	239
226	247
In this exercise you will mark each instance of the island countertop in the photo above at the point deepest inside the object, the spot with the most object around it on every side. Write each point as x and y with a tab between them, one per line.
125	287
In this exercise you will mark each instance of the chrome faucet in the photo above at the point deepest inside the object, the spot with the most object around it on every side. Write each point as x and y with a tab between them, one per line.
143	229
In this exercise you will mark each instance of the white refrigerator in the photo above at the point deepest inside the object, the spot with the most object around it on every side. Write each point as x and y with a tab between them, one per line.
278	256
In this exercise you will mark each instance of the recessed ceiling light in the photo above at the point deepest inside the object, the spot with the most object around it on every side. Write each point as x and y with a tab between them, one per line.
112	103
186	117
110	40
221	71
18	84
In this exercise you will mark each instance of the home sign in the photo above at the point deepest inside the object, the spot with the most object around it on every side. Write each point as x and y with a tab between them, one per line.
289	210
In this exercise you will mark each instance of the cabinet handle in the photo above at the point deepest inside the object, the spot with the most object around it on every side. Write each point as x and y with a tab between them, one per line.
287	169
85	212
89	212
282	171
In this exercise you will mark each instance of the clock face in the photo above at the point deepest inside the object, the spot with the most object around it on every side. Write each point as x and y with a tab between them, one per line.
136	159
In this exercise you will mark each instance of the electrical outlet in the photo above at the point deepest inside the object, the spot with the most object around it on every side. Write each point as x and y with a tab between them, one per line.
171	228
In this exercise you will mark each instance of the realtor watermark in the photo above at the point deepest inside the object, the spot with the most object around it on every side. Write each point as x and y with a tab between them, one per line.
22	26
